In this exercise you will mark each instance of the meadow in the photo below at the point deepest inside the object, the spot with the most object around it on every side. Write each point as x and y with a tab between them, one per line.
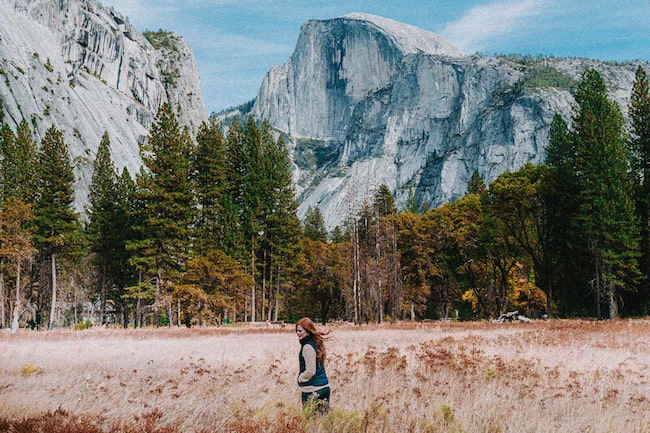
566	376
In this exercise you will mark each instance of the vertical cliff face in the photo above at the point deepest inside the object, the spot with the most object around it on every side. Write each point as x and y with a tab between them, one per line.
369	101
85	69
336	65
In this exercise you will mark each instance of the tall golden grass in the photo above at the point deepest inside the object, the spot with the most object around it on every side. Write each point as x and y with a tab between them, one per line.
555	376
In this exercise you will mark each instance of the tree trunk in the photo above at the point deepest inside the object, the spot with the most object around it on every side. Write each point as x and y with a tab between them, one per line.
16	315
277	300
138	316
397	295
270	309
355	271
158	303
2	301
380	290
263	306
53	307
253	288
613	306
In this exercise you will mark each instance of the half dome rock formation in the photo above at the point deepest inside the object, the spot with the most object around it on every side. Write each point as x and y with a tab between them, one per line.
366	101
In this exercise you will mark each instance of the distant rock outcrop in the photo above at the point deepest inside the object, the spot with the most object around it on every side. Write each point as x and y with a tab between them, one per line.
367	101
85	69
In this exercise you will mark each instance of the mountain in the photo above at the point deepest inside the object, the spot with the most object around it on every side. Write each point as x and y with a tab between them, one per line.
365	101
85	69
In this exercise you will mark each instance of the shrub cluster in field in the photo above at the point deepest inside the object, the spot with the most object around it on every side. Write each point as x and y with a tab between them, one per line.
62	421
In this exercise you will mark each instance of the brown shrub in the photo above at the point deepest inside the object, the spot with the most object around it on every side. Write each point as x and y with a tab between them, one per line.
58	421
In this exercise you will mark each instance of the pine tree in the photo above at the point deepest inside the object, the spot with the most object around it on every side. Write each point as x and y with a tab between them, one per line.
282	224
168	199
384	202
314	225
105	224
233	203
55	218
139	245
209	173
606	214
411	203
476	185
24	170
639	140
126	211
565	241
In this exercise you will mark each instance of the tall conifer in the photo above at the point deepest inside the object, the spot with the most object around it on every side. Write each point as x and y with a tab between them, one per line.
168	197
639	139
105	224
314	225
209	172
55	218
19	155
606	213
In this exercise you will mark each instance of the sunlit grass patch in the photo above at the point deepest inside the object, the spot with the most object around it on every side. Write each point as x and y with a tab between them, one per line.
29	369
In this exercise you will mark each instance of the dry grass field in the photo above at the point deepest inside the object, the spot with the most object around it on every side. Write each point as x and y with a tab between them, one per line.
555	376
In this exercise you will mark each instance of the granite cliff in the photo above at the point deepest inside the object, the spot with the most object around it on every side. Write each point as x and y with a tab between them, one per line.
85	69
367	101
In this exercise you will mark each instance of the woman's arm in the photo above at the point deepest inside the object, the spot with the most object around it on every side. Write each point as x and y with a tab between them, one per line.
309	354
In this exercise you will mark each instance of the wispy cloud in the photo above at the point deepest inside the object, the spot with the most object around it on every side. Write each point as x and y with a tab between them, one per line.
482	25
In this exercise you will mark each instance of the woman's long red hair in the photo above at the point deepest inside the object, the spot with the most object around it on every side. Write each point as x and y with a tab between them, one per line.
318	336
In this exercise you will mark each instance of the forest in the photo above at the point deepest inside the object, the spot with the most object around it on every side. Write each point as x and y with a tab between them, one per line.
207	232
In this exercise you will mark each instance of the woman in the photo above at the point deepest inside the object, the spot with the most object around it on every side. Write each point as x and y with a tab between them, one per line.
312	378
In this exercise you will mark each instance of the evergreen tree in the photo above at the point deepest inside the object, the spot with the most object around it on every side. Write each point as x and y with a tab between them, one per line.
126	211
314	225
606	213
139	246
7	143
282	226
55	218
566	244
339	235
233	194
19	163
639	140
411	203
168	200
253	190
106	225
384	202
209	172
476	185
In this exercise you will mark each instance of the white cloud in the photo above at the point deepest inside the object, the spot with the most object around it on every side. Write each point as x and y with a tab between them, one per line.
483	25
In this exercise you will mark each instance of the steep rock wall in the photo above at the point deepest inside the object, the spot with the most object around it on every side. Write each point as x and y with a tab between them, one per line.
368	101
85	69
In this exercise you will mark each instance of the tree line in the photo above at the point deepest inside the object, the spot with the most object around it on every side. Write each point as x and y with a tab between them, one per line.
207	232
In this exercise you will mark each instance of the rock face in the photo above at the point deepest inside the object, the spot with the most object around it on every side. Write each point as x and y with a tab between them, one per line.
85	69
367	101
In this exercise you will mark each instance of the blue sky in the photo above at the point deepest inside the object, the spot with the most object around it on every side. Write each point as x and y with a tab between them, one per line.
236	41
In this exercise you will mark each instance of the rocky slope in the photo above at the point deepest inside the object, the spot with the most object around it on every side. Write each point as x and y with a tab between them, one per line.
369	101
85	69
